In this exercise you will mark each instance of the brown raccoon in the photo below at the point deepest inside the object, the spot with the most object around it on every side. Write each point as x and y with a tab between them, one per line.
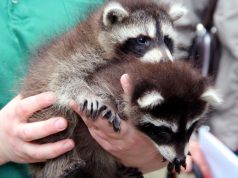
166	103
141	28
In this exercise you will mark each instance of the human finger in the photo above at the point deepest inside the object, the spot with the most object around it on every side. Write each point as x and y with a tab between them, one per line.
17	98
115	145
36	130
31	104
37	153
73	105
198	157
189	163
101	139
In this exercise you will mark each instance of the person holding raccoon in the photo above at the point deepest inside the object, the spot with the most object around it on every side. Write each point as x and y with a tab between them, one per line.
107	141
15	133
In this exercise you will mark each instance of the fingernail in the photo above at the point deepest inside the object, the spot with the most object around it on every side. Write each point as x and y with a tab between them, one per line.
60	124
68	145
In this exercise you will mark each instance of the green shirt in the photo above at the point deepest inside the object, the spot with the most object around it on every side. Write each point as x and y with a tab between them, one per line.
24	25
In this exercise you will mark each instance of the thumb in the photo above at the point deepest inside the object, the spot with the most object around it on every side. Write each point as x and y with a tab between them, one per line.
125	83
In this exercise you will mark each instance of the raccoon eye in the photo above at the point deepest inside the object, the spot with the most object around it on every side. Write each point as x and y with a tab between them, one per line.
143	40
165	132
169	43
160	134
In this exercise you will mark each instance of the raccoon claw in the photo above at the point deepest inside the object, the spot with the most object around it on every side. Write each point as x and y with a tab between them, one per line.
183	163
83	105
90	108
114	119
178	163
93	108
116	123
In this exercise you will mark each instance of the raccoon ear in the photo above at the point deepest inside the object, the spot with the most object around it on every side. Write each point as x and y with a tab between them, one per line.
212	97
150	99
113	13
177	11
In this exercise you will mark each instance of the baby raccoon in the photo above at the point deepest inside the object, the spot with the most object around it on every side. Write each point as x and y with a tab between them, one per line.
141	28
166	102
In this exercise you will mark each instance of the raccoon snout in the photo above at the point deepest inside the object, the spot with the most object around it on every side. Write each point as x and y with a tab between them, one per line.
179	161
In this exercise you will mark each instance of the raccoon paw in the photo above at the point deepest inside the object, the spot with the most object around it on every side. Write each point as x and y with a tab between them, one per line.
93	107
178	163
175	165
90	107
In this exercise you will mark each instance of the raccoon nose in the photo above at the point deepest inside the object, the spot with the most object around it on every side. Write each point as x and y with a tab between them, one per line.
181	160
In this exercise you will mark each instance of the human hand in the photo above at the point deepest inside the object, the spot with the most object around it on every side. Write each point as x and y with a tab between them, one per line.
197	158
130	146
16	134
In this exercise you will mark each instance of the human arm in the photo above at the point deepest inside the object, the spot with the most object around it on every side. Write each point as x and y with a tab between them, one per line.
16	134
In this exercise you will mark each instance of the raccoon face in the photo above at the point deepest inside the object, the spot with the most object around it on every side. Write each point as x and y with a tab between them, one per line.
170	120
167	102
141	28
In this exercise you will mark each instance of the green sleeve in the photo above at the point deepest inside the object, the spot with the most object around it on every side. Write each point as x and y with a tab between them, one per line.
24	25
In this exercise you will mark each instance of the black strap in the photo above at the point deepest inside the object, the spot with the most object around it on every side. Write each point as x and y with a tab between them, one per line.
205	49
207	19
